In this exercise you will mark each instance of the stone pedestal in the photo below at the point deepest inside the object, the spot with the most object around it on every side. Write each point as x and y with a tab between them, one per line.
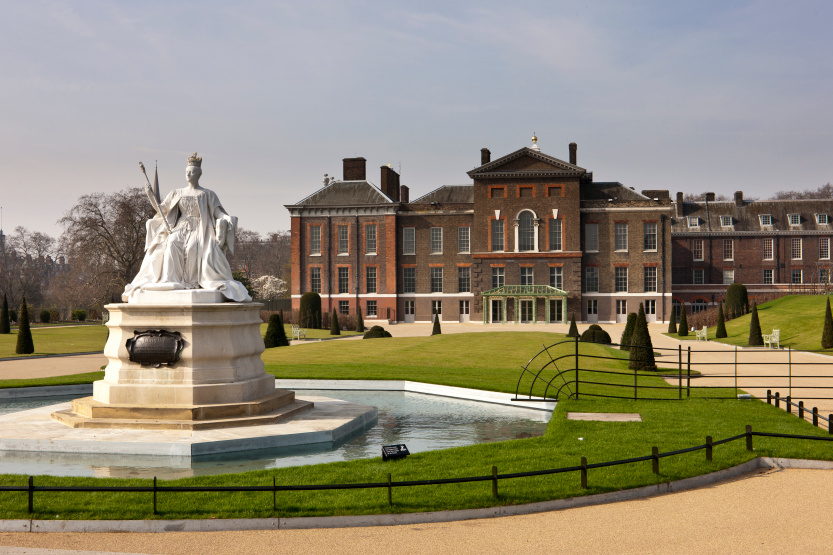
218	381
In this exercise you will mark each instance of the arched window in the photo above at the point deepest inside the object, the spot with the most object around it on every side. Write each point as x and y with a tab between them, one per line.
526	231
699	305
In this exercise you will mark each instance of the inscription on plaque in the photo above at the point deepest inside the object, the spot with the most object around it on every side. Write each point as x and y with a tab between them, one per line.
155	347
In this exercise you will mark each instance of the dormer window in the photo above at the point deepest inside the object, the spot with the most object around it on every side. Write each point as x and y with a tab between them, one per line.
822	219
766	219
725	221
795	219
693	221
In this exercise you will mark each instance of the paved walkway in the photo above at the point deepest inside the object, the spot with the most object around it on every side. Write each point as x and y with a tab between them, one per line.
46	367
784	510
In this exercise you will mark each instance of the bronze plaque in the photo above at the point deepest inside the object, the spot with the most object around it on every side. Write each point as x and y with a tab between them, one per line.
155	347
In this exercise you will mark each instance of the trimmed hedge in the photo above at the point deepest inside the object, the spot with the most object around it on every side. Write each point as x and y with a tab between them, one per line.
737	300
627	335
573	332
5	325
25	345
595	334
755	336
376	332
309	314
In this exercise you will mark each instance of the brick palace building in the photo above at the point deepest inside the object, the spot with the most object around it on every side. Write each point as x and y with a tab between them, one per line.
534	239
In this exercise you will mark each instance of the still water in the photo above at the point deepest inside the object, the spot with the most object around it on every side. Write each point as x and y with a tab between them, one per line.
422	422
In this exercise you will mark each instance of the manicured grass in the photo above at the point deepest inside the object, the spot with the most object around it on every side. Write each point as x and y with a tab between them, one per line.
311	333
71	379
666	425
59	340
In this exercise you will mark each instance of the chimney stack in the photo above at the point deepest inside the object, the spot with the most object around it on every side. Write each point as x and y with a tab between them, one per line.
573	149
404	194
485	156
390	183
738	198
679	204
355	169
709	197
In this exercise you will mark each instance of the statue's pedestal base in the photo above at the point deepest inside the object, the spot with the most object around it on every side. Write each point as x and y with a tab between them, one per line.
218	381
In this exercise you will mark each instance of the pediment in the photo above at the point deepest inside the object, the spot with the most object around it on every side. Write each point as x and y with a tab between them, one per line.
526	162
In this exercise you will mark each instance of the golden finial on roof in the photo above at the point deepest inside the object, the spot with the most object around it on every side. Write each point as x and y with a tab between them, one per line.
534	142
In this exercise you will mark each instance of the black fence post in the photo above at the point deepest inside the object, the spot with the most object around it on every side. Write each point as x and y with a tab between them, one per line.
31	494
680	369
709	448
688	380
789	404
777	399
494	481
801	410
577	382
815	416
749	438
635	384
655	459
830	423
274	494
584	473
390	491
768	396
154	495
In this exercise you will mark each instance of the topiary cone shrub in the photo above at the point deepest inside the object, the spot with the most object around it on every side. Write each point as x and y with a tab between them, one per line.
376	332
309	315
334	327
721	323
672	323
827	331
45	316
642	352
5	325
436	330
627	335
683	322
573	332
25	345
595	334
755	337
359	321
275	333
737	300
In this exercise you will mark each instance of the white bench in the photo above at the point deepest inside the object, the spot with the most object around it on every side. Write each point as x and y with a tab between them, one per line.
773	340
702	334
298	332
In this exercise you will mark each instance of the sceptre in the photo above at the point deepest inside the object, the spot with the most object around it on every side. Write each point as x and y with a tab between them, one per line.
152	198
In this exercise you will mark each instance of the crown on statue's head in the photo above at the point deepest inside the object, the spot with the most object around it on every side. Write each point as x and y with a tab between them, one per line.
195	160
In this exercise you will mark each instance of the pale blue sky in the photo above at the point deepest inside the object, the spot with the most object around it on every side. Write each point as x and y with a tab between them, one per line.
685	96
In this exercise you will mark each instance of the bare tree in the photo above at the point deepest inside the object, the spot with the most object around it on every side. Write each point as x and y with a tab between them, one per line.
257	257
26	265
823	192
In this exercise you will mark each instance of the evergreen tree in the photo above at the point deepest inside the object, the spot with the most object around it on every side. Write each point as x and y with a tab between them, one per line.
627	335
672	323
827	332
573	332
642	352
755	337
25	345
309	313
359	321
5	326
335	329
275	333
436	330
721	323
683	322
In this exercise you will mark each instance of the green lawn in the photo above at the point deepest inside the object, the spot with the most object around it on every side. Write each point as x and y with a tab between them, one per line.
60	340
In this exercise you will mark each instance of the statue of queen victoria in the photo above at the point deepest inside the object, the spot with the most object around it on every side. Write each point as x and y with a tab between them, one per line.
186	243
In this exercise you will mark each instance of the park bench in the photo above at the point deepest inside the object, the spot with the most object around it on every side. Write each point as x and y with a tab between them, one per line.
702	334
298	332
773	340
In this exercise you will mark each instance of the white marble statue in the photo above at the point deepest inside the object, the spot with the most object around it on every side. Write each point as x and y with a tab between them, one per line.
186	243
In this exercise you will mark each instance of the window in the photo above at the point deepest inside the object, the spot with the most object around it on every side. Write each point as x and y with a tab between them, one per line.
693	221
464	307
436	280
768	277
464	239
437	308
344	280
697	278
315	240
650	279
370	239
795	249
370	279
797	276
766	219
795	219
557	277
315	280
822	219
621	306
343	241
344	307
371	309
498	277
824	275
621	236
824	248
728	277
699	305
526	232
620	279
592	307
464	280
768	251
497	236
650	236
497	192
591	237
650	307
728	249
697	249
409	280
725	221
591	279
526	276
409	240
555	235
436	240
409	308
